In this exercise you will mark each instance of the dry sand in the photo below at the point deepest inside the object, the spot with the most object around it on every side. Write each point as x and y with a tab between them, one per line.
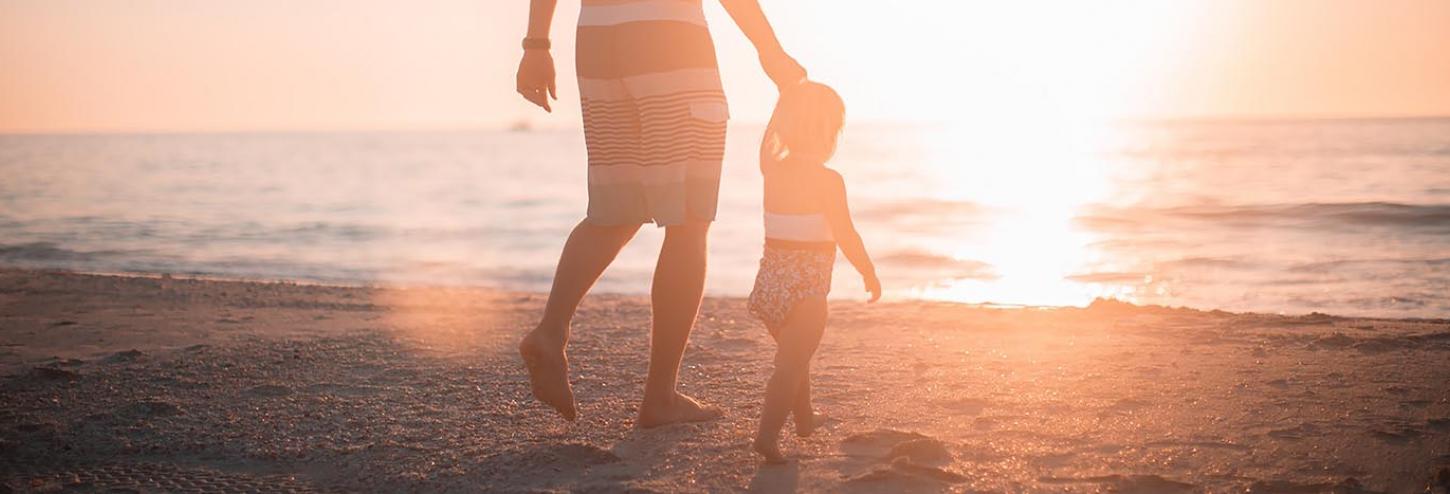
184	385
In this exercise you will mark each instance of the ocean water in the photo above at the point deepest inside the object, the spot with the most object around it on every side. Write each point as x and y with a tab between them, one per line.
1345	216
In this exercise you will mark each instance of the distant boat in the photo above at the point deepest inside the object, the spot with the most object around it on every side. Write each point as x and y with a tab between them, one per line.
521	126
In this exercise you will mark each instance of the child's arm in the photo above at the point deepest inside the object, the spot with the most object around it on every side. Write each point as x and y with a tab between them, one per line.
769	150
838	214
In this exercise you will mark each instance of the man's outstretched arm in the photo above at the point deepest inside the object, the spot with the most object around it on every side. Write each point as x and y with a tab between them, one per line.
779	66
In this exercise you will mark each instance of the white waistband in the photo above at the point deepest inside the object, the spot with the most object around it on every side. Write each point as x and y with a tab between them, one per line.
811	227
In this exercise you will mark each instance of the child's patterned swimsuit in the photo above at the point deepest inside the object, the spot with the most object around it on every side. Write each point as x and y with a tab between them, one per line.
799	255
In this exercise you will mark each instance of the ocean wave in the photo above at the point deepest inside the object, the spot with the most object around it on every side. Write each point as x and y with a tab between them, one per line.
1309	215
944	265
1353	212
1163	267
1371	264
1113	278
96	230
1207	263
934	208
46	252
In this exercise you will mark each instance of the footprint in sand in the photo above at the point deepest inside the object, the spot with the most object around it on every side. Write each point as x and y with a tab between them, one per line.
924	451
913	461
903	476
878	442
123	357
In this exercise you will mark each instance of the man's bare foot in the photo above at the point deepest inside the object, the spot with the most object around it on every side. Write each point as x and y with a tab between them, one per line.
683	409
768	449
806	427
548	372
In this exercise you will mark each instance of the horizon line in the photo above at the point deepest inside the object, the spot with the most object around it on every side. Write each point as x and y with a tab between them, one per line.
526	125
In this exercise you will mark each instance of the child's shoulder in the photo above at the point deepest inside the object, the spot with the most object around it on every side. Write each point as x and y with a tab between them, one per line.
826	185
830	178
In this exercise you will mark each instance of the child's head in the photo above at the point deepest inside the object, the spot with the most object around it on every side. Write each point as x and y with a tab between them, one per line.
806	122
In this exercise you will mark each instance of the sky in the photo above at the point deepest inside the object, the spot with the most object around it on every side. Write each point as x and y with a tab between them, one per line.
277	65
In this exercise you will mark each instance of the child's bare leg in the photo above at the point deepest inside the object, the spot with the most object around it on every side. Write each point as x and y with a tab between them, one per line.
802	412
798	339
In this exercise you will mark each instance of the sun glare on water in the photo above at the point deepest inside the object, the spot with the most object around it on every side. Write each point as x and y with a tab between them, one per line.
1024	136
1030	195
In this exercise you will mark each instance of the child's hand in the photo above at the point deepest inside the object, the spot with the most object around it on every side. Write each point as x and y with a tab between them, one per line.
783	70
873	285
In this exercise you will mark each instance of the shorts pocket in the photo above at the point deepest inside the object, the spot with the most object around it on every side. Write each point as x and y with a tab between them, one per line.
710	111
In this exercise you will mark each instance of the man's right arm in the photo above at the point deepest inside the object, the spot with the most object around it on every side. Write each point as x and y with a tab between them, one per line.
536	70
779	66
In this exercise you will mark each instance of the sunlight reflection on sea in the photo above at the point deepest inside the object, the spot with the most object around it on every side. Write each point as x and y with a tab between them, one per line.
1347	217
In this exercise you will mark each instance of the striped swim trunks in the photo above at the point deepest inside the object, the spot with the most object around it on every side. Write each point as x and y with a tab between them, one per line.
654	112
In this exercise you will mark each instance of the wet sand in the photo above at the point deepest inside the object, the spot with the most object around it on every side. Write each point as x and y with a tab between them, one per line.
158	384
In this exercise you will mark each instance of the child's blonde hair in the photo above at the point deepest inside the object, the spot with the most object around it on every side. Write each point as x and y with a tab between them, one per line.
806	122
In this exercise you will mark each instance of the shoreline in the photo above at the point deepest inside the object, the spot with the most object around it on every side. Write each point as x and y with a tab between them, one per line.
156	383
1116	303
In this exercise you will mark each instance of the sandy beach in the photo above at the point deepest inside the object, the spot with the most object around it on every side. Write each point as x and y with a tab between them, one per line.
162	384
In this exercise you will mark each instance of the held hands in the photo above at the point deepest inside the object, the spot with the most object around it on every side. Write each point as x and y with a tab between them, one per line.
536	78
782	69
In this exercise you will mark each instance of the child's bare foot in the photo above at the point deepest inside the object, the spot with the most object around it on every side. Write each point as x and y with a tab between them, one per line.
770	450
806	427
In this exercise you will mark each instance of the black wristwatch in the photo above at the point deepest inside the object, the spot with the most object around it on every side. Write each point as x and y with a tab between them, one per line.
536	43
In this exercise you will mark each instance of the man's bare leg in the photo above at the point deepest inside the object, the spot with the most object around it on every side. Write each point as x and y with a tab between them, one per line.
675	298
589	250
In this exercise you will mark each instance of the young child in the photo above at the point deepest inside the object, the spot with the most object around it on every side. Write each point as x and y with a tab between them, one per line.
806	219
